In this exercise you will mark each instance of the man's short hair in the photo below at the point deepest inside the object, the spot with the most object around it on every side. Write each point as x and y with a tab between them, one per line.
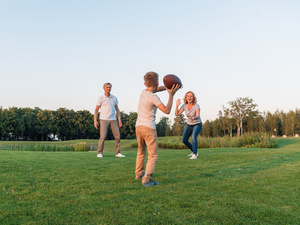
150	79
107	84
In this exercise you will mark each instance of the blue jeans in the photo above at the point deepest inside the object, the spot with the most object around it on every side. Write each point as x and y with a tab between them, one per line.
193	130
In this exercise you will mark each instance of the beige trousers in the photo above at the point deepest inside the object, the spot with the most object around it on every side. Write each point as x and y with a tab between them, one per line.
103	131
146	137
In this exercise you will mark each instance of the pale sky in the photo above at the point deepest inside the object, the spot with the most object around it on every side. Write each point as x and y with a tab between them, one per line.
59	53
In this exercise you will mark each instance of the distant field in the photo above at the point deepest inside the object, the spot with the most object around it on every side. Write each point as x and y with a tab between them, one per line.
17	145
250	140
223	186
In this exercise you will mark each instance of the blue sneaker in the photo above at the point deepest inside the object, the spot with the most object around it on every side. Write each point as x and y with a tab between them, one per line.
137	178
150	183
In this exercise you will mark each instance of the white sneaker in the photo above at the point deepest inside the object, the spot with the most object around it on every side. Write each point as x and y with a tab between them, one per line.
120	155
100	156
193	156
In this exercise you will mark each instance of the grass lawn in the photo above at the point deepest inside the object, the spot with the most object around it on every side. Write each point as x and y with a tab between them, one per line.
222	186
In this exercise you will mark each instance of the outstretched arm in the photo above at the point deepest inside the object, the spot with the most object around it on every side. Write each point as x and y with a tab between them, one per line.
167	109
160	88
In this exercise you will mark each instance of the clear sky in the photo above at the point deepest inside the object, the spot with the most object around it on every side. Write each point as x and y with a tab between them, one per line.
58	53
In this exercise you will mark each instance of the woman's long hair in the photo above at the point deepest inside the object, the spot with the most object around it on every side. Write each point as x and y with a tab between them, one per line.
194	98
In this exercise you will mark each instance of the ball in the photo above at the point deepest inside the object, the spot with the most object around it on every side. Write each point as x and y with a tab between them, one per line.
171	79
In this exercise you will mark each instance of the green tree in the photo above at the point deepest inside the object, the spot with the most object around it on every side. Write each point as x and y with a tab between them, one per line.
259	124
168	131
162	126
74	131
273	122
217	128
30	124
290	123
1	123
84	124
128	128
250	122
206	129
53	124
240	108
297	129
179	125
43	118
12	124
227	123
65	124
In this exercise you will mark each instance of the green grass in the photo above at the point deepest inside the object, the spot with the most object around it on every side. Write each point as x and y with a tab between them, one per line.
223	186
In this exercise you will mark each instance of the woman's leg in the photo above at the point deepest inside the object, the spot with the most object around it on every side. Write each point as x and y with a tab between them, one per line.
196	130
186	135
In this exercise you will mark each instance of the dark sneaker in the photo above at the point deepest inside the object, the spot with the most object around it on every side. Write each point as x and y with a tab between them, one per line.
140	176
150	183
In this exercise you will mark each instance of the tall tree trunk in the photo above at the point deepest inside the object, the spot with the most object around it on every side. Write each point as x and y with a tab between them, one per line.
241	126
238	130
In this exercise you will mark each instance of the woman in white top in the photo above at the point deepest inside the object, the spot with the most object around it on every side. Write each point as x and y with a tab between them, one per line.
194	124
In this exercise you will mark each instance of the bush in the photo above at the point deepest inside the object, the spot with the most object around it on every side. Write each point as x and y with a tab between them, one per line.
134	144
81	147
253	140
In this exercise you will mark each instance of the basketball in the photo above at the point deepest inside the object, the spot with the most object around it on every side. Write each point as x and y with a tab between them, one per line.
171	79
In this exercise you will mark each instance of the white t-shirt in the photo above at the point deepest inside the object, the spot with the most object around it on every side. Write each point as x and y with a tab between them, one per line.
191	113
147	109
107	107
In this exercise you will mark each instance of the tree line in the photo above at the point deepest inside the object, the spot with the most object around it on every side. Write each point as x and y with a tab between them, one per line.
27	124
242	116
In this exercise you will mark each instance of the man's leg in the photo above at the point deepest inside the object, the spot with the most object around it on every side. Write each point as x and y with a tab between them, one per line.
103	131
116	132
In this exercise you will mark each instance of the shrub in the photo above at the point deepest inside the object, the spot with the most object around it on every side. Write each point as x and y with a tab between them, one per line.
81	147
253	140
134	144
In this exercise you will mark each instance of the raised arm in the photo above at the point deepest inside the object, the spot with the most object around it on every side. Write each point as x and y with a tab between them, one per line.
167	109
160	88
178	112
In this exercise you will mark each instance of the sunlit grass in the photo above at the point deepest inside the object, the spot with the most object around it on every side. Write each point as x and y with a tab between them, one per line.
223	186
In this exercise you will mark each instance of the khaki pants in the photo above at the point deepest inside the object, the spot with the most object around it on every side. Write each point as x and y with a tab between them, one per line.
146	137
103	131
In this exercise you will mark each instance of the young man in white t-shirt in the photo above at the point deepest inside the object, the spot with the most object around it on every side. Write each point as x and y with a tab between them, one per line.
108	105
145	126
